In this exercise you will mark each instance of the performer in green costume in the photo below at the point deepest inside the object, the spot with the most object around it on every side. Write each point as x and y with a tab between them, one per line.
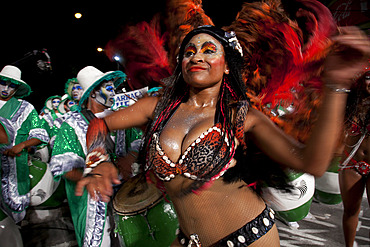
23	129
69	152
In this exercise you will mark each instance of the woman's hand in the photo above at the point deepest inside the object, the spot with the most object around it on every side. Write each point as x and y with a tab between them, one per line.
99	183
349	56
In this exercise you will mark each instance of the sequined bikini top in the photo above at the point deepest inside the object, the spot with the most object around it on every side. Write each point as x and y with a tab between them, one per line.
195	162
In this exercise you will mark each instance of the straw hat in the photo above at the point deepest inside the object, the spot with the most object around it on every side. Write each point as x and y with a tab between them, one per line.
90	77
12	74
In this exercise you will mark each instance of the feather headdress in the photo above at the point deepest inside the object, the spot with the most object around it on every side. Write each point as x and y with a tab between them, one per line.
142	47
182	17
283	57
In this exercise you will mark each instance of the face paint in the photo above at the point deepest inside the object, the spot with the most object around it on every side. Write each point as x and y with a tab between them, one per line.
7	89
71	103
105	95
203	64
208	48
77	92
55	103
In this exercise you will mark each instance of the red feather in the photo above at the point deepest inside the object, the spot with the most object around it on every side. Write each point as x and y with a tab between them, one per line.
145	59
284	59
182	17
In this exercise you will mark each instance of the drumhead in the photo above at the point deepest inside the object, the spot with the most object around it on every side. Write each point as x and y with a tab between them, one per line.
136	196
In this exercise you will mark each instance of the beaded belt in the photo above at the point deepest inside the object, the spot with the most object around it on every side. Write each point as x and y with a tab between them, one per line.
244	236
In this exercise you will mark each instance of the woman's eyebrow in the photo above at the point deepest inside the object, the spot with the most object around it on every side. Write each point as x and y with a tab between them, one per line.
189	45
209	43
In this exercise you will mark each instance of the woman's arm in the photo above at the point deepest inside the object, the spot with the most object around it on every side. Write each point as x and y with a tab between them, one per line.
99	182
316	155
351	52
135	115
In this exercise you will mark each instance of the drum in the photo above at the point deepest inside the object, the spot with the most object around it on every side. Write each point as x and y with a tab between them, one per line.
42	153
45	191
327	188
295	205
9	233
143	216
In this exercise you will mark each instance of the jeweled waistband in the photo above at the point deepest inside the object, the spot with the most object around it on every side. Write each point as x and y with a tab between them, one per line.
244	236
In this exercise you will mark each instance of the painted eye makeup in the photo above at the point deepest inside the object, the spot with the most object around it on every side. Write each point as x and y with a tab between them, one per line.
109	88
190	50
12	85
208	48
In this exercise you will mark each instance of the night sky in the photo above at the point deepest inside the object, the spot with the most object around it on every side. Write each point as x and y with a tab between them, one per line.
72	43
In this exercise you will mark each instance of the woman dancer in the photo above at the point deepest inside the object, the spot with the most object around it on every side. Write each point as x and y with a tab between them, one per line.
198	133
354	168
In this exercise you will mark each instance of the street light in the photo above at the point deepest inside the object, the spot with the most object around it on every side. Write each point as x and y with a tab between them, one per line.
78	15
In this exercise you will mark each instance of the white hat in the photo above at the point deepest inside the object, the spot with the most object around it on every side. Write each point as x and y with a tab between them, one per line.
49	101
90	77
63	100
13	74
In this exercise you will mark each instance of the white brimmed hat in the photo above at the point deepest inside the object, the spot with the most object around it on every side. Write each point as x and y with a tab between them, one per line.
90	77
12	74
49	101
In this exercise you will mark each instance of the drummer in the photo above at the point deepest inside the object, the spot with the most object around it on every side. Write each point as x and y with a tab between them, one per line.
23	128
69	152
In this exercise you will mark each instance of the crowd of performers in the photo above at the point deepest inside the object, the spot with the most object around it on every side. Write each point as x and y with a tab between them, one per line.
235	128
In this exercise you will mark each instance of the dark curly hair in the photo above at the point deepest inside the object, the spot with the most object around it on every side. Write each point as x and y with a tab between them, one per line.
358	104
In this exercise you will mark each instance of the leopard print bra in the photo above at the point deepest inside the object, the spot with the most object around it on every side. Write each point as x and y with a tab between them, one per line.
194	163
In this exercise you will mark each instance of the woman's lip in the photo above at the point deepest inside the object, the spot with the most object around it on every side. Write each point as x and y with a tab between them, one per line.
194	69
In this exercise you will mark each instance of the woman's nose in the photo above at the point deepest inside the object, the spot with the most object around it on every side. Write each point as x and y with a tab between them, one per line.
198	57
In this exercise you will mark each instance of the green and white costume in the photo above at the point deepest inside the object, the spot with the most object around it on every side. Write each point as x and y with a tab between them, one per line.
69	152
21	122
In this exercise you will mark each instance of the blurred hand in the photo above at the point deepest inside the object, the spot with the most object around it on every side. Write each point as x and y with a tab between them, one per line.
351	51
15	150
99	185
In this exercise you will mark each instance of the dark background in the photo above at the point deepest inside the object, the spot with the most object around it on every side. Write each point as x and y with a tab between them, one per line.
72	43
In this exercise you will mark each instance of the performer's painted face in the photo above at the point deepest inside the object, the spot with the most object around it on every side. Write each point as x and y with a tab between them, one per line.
105	94
69	104
204	63
7	89
77	92
55	103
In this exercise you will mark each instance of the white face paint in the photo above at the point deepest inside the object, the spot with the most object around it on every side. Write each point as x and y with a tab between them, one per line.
105	94
77	92
7	89
55	103
71	103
